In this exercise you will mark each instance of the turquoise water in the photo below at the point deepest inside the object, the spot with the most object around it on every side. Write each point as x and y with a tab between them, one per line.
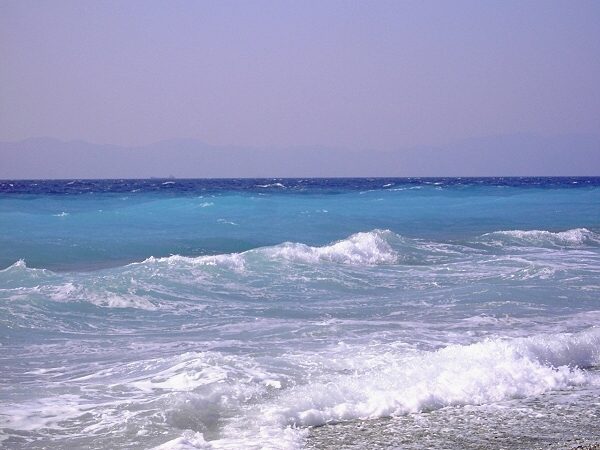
250	313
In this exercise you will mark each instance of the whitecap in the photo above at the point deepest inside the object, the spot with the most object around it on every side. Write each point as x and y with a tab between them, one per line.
486	372
226	222
361	248
271	185
572	237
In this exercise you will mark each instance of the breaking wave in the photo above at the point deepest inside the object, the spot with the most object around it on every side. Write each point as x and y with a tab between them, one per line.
368	248
365	248
485	372
392	384
543	238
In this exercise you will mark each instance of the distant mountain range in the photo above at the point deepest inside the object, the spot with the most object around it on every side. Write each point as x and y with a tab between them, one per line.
505	155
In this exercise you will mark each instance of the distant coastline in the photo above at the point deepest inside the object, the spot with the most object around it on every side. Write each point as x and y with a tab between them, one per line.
504	155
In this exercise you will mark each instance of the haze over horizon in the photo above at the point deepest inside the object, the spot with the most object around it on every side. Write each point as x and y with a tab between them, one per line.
308	88
506	155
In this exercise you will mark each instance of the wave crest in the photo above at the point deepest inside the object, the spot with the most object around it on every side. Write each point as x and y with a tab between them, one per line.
367	248
364	248
485	372
378	382
573	237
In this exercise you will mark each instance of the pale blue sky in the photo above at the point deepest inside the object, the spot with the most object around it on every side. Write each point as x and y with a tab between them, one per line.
376	75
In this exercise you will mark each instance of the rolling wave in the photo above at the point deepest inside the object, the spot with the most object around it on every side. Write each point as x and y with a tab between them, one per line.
375	247
484	372
143	285
365	248
543	238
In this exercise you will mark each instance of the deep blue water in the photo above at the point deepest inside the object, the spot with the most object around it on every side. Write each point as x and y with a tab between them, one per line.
245	313
81	224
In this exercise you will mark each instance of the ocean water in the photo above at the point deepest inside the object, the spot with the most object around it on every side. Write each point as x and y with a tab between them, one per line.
291	314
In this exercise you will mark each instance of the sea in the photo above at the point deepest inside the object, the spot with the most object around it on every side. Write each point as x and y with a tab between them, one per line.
345	313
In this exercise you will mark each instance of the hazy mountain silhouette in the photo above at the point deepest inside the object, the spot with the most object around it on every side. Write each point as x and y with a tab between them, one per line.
505	155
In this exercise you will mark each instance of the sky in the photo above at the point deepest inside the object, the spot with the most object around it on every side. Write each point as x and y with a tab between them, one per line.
362	76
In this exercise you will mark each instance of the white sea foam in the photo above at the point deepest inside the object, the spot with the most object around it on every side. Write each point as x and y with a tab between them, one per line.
184	376
485	372
383	247
74	292
20	282
367	248
367	383
271	185
267	438
243	403
17	271
227	222
361	248
573	237
189	441
40	413
112	300
18	265
232	261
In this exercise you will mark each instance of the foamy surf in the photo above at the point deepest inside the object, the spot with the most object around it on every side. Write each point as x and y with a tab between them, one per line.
485	372
542	238
232	402
367	248
364	248
334	314
392	383
404	261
